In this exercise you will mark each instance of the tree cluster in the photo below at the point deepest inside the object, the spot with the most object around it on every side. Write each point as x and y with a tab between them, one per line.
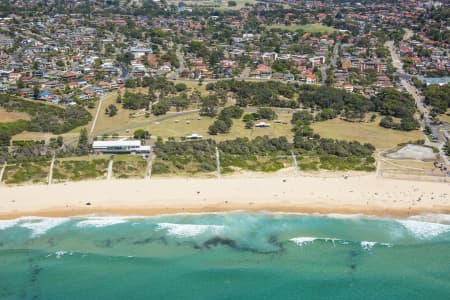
135	101
224	120
335	101
268	93
261	145
438	97
44	118
306	140
392	103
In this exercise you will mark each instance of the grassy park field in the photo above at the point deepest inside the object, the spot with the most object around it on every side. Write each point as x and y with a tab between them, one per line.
121	120
194	123
366	132
193	85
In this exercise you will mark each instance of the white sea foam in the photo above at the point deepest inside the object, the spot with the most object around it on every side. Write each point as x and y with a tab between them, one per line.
345	216
59	254
304	240
300	241
101	221
189	230
424	230
366	245
433	218
42	225
4	224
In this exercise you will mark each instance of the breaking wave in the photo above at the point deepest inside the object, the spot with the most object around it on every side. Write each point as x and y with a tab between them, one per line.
424	230
300	241
189	230
42	225
101	221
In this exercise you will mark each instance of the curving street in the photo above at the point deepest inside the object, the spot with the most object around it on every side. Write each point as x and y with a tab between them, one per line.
405	82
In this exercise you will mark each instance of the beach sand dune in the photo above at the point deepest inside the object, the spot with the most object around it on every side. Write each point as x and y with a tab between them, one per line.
365	194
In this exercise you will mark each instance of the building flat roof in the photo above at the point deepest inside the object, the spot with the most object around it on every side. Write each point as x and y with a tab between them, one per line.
101	144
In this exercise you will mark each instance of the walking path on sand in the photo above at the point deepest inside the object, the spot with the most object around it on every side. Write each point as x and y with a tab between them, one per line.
110	168
294	159
148	169
218	162
2	171
50	173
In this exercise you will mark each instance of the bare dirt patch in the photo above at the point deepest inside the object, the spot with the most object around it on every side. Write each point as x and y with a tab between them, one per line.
11	116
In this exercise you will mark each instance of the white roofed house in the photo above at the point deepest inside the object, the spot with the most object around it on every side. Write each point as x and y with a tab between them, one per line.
128	146
138	70
140	51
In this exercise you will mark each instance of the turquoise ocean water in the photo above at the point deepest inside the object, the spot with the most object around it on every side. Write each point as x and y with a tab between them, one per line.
225	256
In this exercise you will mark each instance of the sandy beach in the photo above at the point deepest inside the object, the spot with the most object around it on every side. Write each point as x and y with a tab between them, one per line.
365	194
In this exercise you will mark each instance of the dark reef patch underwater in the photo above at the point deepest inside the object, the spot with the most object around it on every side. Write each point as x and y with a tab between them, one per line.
225	256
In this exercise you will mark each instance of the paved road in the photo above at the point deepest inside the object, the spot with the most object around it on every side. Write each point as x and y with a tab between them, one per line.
180	58
124	75
332	63
418	98
335	54
408	34
323	71
245	73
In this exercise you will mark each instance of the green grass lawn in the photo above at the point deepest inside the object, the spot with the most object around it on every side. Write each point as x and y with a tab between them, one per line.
365	132
193	123
193	85
313	28
275	130
180	126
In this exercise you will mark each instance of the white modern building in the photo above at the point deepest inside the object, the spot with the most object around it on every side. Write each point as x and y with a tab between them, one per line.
129	146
